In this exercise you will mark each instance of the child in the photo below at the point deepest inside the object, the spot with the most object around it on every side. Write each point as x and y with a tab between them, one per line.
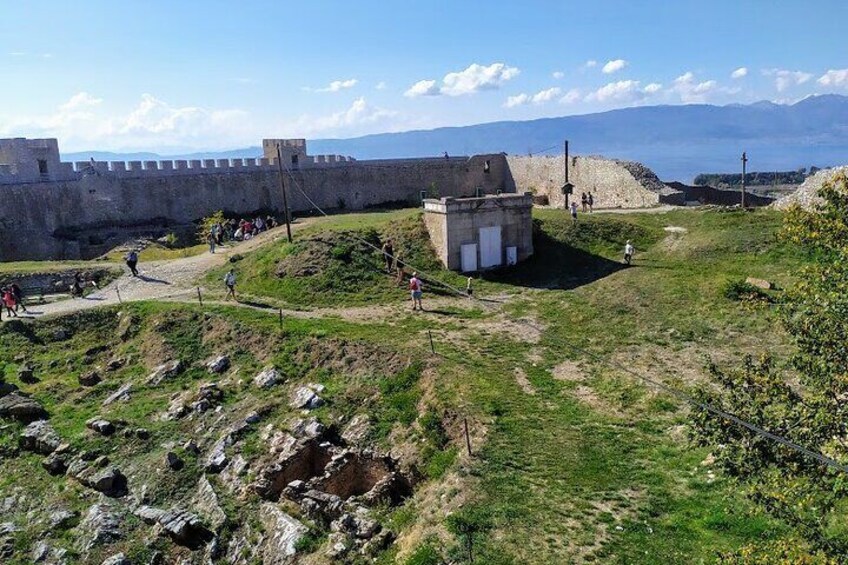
628	252
415	291
574	210
9	302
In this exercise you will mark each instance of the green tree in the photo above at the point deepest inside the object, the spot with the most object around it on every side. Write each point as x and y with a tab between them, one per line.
206	224
811	410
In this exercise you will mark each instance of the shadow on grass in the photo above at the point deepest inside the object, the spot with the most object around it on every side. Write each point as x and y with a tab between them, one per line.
555	264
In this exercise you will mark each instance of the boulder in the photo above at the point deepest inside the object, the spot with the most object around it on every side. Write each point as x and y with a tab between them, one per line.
22	408
89	379
217	458
122	394
109	481
148	514
6	388
39	437
63	519
55	464
268	378
174	462
759	283
357	429
283	534
205	502
218	365
26	374
101	426
40	552
306	398
117	559
165	371
311	428
185	528
115	363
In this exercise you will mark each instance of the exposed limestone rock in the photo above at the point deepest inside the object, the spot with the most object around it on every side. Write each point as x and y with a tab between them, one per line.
205	502
233	475
217	458
283	534
311	428
117	559
40	552
185	528
109	481
39	437
122	394
22	408
268	378
759	283
207	396
56	464
807	194
148	514
307	397
62	519
89	379
357	429
218	365
101	426
165	371
102	525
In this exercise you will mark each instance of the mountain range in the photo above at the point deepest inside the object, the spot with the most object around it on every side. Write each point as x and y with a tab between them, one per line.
677	142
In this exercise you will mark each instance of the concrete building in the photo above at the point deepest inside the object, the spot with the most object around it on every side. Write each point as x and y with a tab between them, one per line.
473	234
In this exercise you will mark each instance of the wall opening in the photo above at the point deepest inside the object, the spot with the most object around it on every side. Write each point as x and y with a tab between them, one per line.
487	166
42	166
294	160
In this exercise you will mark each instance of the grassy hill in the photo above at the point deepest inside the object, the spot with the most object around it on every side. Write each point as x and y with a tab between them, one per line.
573	459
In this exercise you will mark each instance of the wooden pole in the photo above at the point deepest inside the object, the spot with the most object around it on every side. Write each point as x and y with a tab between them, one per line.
199	297
432	347
744	169
283	189
467	437
118	290
281	319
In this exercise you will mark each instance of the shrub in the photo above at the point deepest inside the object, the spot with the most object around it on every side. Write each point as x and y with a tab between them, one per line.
744	292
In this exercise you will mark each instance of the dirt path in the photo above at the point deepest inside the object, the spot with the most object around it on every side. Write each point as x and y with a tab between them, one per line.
162	280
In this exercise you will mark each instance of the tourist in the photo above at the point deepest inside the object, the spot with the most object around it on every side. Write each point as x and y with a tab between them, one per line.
260	224
468	289
230	282
446	155
584	200
591	201
239	235
270	222
574	210
388	254
210	239
19	296
9	302
415	291
132	261
629	250
218	233
76	286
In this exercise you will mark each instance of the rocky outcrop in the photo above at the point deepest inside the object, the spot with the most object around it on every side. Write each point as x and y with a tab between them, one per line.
205	502
218	365
283	534
100	476
39	437
185	528
165	371
101	525
268	378
122	394
306	397
807	194
101	426
22	408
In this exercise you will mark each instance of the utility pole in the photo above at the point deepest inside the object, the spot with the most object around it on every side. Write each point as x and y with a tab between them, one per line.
567	188
744	169
283	189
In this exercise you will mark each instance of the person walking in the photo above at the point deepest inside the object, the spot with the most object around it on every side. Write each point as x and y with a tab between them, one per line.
9	302
210	239
574	210
591	201
132	261
388	254
469	290
416	292
230	282
19	296
584	200
629	250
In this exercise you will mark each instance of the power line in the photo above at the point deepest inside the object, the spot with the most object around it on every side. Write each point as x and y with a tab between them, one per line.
677	393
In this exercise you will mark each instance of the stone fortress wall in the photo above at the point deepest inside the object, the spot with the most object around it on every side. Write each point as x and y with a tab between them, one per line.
56	210
613	183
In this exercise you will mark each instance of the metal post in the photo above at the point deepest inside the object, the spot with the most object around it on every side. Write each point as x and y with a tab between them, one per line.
432	347
565	152
199	298
744	169
283	189
467	437
281	318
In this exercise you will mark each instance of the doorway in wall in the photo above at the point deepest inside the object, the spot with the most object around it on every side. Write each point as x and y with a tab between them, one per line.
490	247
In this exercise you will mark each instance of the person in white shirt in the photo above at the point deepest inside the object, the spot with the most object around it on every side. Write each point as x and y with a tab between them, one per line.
629	250
573	210
230	281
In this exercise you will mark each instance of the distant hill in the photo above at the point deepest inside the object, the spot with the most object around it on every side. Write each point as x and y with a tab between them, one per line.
677	142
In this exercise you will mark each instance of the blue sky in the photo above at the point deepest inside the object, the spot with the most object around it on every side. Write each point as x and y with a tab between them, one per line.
173	76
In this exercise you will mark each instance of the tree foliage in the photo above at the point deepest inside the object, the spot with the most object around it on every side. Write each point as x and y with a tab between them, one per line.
810	408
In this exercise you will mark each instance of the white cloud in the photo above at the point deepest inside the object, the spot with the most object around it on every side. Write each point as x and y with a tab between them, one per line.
739	73
81	100
517	100
834	77
359	113
17	54
546	95
474	79
558	75
590	63
570	97
423	88
692	92
381	85
621	91
614	66
784	79
652	88
337	85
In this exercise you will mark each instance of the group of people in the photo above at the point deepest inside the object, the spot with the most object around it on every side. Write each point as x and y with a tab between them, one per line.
243	230
588	202
13	299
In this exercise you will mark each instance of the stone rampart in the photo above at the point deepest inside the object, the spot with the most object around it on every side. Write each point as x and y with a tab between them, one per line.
613	184
807	194
81	218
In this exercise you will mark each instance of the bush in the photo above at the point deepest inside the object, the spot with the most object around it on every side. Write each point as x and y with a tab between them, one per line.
743	291
426	554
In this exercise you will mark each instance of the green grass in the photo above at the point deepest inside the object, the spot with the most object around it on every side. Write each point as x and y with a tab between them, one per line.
595	468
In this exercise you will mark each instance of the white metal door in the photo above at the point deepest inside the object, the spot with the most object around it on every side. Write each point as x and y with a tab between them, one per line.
490	247
511	255
469	257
